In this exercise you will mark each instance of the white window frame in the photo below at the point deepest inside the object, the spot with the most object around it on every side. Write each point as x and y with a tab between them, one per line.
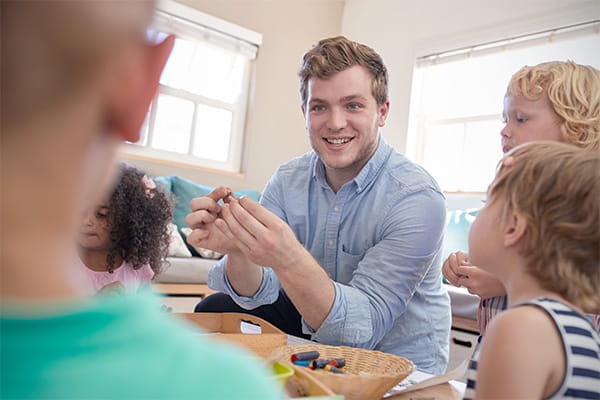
218	31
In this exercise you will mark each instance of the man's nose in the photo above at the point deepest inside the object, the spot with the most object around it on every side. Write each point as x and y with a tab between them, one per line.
336	119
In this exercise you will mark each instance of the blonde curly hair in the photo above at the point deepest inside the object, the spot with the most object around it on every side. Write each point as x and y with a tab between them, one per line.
573	91
556	187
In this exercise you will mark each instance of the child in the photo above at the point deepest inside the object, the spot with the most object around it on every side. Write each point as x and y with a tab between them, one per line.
77	80
122	243
538	233
550	101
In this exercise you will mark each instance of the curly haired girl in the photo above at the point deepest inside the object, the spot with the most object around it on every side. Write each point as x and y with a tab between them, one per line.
123	241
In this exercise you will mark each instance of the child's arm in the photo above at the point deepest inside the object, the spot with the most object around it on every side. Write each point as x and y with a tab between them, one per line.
521	356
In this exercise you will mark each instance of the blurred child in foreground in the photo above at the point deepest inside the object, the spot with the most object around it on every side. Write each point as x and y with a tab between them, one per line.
77	79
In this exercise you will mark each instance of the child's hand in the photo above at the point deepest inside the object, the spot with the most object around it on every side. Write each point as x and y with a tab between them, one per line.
480	282
112	288
451	265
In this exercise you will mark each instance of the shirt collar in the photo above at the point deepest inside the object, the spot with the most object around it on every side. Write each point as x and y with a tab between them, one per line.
366	174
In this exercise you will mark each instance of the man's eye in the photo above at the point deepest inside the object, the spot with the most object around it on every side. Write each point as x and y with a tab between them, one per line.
317	108
354	106
101	215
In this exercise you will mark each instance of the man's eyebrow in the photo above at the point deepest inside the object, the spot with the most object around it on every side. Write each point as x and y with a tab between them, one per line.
353	97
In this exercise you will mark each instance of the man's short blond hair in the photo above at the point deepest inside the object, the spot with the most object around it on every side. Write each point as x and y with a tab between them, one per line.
333	55
573	91
556	187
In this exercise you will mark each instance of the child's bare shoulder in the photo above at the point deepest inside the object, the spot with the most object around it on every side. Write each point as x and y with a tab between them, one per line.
527	326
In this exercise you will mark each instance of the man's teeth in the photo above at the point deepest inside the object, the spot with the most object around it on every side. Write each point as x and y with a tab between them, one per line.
338	141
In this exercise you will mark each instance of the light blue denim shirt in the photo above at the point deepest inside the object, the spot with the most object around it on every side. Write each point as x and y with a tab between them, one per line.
378	238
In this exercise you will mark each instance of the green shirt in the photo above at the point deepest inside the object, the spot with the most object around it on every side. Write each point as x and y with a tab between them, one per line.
120	347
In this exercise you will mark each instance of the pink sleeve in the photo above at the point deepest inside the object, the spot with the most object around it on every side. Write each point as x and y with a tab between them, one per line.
145	273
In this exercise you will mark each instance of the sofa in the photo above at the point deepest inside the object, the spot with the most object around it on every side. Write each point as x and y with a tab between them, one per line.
186	264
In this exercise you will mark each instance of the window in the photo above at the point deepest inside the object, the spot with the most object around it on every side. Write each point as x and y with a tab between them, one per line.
199	113
457	100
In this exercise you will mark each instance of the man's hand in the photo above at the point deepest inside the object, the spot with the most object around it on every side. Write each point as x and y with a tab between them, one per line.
205	211
262	236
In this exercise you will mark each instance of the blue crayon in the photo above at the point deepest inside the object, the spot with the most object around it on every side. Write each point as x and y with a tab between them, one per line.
302	363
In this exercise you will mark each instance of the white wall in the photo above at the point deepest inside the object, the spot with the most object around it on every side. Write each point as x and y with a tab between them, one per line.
401	30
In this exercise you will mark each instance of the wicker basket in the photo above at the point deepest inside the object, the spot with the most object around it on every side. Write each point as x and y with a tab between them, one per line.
369	374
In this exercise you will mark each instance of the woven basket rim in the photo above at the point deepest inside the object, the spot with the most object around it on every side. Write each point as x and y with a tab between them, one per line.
409	365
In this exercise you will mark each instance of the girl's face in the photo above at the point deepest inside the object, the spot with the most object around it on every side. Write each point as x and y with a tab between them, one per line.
94	233
528	120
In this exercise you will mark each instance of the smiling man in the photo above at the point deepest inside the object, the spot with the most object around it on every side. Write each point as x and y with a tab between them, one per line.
344	246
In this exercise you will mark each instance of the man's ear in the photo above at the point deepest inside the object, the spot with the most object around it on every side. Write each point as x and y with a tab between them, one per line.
514	229
135	96
383	112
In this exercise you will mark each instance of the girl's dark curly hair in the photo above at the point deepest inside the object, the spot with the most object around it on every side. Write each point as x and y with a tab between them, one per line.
139	219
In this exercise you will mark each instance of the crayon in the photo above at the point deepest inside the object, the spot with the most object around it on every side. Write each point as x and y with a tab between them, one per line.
307	355
333	369
302	363
336	362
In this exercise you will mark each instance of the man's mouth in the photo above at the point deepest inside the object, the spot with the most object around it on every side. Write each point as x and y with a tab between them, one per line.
338	142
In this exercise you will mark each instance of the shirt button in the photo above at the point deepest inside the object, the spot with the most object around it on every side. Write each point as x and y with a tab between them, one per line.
331	242
336	209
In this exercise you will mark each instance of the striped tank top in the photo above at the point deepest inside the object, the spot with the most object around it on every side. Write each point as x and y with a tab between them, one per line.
582	349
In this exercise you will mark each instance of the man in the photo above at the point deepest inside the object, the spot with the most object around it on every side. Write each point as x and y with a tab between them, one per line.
77	80
344	245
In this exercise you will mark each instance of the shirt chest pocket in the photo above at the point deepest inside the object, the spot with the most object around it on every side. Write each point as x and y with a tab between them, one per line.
347	264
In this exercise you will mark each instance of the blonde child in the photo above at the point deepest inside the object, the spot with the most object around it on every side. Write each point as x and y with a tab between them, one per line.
538	233
551	101
122	242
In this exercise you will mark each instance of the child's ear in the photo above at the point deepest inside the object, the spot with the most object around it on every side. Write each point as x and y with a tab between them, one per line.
514	229
137	89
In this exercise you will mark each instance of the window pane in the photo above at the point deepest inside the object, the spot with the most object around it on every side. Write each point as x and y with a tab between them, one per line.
470	91
206	70
213	133
441	143
482	152
173	124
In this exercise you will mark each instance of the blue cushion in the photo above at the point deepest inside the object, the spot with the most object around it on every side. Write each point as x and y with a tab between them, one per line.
458	223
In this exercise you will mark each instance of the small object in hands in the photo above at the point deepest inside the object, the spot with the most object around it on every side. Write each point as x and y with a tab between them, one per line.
336	362
302	363
307	355
230	196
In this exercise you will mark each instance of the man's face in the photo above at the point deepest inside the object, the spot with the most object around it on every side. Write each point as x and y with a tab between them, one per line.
528	120
342	118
